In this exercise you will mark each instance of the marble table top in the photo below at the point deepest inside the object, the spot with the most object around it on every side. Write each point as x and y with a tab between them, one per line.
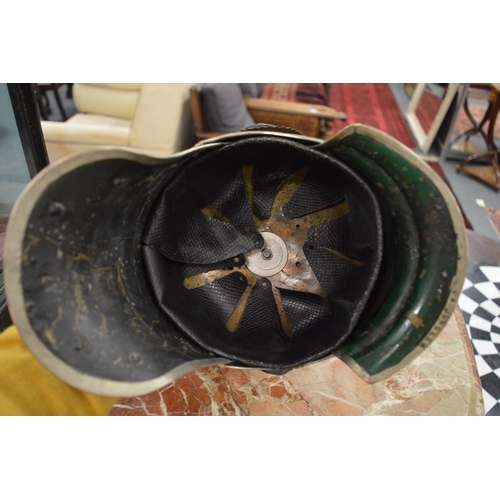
443	380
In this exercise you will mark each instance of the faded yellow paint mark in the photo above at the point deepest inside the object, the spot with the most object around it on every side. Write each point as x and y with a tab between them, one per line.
81	307
103	329
33	241
120	283
52	241
49	335
137	319
415	320
80	302
80	256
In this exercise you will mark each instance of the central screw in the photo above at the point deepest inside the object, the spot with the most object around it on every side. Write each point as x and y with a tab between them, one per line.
267	254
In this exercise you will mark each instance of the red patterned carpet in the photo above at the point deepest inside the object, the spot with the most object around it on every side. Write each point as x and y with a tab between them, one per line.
427	110
371	104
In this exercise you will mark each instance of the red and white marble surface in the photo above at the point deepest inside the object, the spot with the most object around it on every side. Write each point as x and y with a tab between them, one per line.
443	380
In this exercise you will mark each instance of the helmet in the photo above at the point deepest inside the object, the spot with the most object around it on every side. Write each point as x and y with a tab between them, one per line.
263	248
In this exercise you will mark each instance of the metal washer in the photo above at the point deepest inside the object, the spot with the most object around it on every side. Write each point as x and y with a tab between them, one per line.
270	259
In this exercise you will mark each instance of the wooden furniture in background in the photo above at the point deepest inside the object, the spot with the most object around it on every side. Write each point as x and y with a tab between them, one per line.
40	90
309	119
489	174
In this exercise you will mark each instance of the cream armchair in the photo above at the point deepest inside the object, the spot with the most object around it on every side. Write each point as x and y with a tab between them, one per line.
152	118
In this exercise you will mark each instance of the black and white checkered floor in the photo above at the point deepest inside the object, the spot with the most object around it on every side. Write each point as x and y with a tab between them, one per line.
480	305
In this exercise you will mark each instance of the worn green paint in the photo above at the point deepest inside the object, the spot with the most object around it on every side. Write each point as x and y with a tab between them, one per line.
437	261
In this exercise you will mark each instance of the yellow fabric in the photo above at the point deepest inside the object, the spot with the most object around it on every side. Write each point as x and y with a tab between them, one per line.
28	388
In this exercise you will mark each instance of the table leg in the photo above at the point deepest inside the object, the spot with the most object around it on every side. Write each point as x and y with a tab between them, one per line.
489	174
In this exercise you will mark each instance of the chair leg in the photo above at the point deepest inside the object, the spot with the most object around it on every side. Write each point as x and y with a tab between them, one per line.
59	104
